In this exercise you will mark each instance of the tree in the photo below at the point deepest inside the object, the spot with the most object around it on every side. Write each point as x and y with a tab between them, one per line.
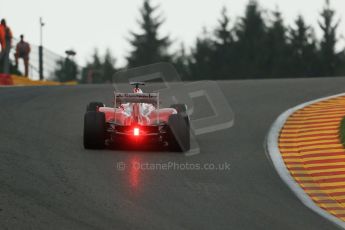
201	63
211	57
223	45
223	32
181	62
93	72
328	56
253	46
276	48
108	67
99	70
250	51
147	46
302	40
66	70
340	71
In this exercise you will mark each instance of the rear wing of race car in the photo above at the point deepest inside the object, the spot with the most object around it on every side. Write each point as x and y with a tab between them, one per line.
148	98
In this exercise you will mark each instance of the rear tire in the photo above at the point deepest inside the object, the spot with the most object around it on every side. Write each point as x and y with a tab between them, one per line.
94	130
178	135
93	106
182	110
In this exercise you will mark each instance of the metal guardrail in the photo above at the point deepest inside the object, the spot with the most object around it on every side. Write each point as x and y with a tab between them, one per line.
50	60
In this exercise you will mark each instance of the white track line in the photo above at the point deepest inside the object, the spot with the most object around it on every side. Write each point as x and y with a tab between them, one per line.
277	160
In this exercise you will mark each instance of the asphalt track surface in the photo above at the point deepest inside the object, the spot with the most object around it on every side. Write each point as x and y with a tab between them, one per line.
48	180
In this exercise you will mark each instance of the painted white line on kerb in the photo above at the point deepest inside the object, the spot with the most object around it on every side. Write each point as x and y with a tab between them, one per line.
277	160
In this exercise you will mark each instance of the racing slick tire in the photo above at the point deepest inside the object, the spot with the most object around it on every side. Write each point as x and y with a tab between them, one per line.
94	130
178	135
92	106
181	109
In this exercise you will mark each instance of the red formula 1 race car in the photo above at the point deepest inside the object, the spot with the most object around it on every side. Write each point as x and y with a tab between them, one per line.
136	119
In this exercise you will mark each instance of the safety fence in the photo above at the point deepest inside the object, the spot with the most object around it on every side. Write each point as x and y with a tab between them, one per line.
50	62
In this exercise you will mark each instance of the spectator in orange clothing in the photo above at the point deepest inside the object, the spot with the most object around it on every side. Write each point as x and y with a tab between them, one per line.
6	42
23	51
2	37
2	43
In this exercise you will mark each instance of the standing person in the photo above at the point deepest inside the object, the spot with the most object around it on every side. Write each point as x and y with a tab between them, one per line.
6	42
23	51
2	37
2	43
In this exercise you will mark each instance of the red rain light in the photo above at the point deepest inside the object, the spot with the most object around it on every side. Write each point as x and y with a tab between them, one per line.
136	131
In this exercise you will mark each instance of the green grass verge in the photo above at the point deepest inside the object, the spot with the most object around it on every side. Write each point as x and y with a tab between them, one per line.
342	131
